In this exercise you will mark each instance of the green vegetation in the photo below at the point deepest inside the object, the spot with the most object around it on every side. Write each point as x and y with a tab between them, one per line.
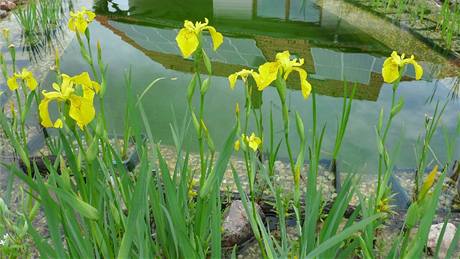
424	15
96	208
41	23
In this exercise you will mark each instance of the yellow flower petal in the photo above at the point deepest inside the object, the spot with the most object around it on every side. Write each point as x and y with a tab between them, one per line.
254	141
12	83
31	83
217	38
244	74
418	69
305	86
81	25
396	58
58	124
43	108
189	25
84	80
232	80
89	15
44	113
390	70
80	20
267	74
283	57
187	41
81	110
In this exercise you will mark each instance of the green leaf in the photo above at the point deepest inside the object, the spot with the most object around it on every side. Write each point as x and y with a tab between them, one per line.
412	215
191	87
93	150
85	209
205	86
396	109
346	233
136	208
380	122
215	179
207	62
300	127
25	111
454	244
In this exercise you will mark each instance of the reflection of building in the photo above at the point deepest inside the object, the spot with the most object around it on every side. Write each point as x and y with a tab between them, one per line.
293	10
334	51
236	54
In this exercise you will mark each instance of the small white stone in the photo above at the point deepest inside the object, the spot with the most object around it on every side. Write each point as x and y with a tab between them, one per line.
433	237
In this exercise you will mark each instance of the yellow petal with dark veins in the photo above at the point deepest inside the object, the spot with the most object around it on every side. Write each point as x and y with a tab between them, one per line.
187	42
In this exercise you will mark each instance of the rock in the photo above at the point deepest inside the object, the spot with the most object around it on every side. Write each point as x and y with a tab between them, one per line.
10	5
433	236
3	14
236	226
7	5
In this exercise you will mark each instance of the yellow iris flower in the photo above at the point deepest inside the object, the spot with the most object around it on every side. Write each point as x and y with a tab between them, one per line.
394	64
25	76
268	72
243	74
81	106
253	141
79	21
188	38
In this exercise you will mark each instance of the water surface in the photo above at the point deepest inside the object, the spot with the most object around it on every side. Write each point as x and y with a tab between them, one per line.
140	34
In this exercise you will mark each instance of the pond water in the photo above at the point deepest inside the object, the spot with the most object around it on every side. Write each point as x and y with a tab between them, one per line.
339	43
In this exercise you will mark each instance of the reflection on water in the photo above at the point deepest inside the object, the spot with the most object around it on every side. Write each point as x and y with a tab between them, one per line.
43	27
333	50
141	34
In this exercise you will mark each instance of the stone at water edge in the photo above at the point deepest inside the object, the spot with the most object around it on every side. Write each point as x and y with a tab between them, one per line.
236	226
3	14
433	236
7	5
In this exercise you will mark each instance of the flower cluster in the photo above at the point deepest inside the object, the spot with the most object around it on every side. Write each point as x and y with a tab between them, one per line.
81	105
80	20
26	76
394	65
284	65
252	141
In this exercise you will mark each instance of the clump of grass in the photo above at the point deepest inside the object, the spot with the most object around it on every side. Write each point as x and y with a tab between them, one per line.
446	19
41	23
449	22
